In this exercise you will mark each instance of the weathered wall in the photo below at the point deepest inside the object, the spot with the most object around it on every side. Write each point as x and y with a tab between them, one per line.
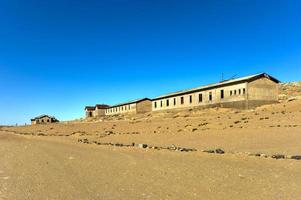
237	95
263	89
125	109
43	120
99	112
90	115
144	106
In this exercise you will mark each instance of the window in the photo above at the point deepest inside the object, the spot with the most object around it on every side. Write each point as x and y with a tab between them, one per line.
167	102
244	90
129	107
182	100
155	105
222	94
200	97
239	91
210	96
48	120
161	104
190	99
174	101
234	92
230	92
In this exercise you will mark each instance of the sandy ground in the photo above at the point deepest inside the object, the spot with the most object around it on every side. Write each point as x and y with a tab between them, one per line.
48	162
55	168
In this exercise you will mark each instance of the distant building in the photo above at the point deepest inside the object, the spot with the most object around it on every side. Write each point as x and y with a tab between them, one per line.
134	107
90	111
243	93
44	119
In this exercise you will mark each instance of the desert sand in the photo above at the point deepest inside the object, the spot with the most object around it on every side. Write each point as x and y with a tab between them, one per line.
52	161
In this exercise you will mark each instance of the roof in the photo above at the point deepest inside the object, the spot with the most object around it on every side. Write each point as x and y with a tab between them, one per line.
42	116
90	108
219	84
101	106
130	102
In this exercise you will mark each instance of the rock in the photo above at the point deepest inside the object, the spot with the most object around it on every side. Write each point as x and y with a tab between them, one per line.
255	154
278	156
209	151
263	155
296	157
219	151
142	145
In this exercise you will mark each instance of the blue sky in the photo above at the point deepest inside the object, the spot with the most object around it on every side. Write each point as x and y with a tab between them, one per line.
58	56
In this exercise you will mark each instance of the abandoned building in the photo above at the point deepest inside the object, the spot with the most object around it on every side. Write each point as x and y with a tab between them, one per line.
44	119
243	93
135	107
90	111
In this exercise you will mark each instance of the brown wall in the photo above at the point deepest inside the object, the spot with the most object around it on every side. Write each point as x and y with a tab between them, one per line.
123	109
44	120
144	106
263	89
99	112
236	95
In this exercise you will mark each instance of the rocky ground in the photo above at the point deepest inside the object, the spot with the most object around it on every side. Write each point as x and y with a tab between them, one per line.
189	154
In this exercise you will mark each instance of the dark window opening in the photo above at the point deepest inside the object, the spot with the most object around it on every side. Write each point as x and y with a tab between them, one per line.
200	97
239	91
167	102
155	105
210	96
222	94
161	104
182	100
230	92
234	92
174	101
190	99
244	90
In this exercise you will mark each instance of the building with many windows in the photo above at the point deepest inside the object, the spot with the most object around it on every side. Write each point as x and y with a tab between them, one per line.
244	93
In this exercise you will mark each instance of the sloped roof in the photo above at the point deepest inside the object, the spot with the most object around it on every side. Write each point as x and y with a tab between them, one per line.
130	102
90	108
101	106
219	84
41	116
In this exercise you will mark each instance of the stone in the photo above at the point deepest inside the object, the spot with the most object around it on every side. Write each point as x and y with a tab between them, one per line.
278	156
219	151
142	145
208	151
296	157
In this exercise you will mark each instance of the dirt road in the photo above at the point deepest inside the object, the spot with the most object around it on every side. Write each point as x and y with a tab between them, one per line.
56	168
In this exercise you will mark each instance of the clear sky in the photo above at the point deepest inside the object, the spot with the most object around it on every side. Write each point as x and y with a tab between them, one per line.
58	56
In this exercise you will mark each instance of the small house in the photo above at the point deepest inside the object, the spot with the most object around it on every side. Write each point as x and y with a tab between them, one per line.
44	119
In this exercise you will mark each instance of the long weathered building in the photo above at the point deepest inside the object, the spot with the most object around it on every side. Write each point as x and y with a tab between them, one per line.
244	93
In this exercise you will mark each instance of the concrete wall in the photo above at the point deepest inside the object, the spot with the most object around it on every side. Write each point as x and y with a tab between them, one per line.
261	92
99	112
144	106
263	89
232	93
124	109
90	113
43	120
